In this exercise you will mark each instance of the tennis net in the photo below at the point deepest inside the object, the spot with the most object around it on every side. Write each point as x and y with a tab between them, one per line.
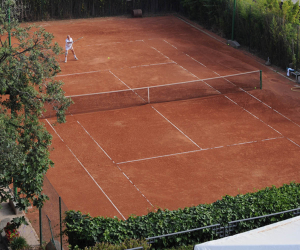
163	93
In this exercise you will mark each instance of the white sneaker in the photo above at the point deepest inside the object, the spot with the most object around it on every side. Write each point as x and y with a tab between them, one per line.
65	60
76	58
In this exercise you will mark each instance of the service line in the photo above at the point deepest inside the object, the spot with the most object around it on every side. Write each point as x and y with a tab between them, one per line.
198	150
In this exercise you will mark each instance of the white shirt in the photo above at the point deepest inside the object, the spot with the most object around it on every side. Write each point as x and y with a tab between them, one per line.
69	43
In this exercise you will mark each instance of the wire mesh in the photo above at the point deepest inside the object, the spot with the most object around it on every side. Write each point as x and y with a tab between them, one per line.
51	211
62	9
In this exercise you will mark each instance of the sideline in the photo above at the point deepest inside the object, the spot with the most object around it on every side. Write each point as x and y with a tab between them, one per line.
215	36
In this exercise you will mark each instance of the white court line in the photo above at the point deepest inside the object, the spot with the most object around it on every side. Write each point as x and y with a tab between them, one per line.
273	109
275	71
148	65
270	139
81	73
163	85
225	78
170	44
128	87
282	115
115	164
252	113
243	107
160	156
266	106
96	142
110	43
119	80
185	53
211	78
161	53
105	70
96	183
176	127
88	173
54	130
200	30
293	142
196	61
198	150
154	86
188	71
135	186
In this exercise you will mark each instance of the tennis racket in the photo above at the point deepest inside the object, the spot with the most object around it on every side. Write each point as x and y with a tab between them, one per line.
77	39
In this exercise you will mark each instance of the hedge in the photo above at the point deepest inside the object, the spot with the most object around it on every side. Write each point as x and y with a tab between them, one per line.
269	28
127	244
36	10
84	230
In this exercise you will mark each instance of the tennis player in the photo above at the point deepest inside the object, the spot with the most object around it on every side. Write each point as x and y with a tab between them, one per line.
69	46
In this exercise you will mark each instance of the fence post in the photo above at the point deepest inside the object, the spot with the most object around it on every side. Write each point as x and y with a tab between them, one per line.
60	225
297	55
41	230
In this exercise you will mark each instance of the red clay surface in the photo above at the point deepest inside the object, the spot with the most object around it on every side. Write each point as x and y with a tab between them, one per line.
173	154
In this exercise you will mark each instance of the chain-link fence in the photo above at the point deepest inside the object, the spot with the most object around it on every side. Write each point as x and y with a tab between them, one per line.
48	221
266	30
52	215
271	36
35	10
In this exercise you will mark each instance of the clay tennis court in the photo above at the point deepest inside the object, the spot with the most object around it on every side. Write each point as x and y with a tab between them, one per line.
209	138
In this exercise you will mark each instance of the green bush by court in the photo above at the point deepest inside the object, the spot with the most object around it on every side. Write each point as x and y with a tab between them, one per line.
84	230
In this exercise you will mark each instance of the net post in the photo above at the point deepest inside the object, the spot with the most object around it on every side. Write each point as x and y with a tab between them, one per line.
60	224
148	95
260	79
41	230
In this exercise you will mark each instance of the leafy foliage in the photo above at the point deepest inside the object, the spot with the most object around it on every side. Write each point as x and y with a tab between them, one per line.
18	243
84	230
32	10
267	27
11	228
127	244
16	223
27	67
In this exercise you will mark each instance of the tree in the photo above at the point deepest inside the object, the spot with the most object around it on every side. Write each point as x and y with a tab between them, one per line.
28	66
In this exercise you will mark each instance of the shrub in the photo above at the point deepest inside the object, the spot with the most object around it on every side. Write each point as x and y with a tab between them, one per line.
18	243
84	230
10	229
127	244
